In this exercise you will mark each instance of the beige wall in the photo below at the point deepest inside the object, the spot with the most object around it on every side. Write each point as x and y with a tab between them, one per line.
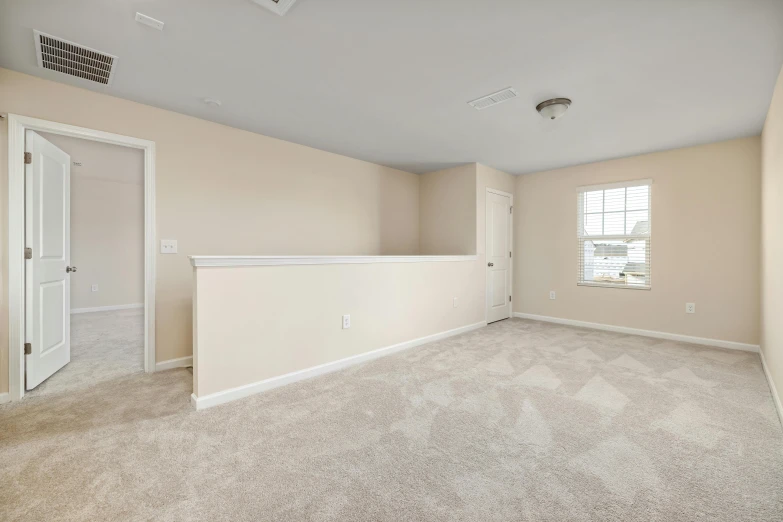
452	208
447	211
225	191
772	239
222	191
107	222
383	311
705	243
242	339
487	177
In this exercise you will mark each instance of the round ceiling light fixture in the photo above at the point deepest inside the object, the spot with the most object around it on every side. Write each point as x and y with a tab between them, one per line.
554	108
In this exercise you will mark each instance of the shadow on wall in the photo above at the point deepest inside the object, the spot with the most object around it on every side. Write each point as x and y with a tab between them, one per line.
447	211
398	213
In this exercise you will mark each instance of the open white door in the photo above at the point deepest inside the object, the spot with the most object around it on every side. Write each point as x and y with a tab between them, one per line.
48	253
498	257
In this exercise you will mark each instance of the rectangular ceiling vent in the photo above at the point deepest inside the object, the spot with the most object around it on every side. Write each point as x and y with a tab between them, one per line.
279	7
493	99
73	59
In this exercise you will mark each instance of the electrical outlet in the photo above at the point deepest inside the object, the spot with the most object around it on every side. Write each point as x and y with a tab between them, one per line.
551	294
168	246
690	308
455	302
346	322
94	288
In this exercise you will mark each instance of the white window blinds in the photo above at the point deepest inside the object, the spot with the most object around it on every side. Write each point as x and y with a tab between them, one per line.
614	234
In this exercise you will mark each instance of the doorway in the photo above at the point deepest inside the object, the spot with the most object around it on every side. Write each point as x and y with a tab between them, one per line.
499	251
44	317
85	273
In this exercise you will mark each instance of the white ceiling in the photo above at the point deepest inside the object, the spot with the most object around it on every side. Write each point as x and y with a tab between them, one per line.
389	81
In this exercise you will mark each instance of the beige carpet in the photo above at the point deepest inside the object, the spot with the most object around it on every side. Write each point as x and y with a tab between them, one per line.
517	421
104	347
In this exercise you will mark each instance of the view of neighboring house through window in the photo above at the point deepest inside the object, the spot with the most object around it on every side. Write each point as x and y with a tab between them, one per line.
614	234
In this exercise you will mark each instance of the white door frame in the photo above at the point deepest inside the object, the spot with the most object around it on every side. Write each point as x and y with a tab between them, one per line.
17	125
510	245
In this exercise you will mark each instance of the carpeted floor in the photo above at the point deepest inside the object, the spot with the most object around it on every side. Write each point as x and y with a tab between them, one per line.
517	421
104	347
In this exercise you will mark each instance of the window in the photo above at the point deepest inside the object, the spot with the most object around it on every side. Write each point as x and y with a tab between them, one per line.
614	235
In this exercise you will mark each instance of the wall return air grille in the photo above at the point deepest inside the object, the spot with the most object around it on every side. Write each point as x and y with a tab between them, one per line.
493	99
73	59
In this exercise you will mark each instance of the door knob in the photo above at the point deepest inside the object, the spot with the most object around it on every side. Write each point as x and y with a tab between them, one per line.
70	269
490	264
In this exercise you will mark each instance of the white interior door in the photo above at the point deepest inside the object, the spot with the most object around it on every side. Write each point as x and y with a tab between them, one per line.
498	257
48	238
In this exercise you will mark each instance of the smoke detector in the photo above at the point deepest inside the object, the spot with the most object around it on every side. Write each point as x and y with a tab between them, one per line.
554	108
493	99
149	21
73	59
279	7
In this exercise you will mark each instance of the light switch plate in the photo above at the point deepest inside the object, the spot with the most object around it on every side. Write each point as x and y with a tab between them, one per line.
346	322
168	246
94	288
690	308
455	302
551	294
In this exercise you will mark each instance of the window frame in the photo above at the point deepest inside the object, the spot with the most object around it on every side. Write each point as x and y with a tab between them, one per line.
581	237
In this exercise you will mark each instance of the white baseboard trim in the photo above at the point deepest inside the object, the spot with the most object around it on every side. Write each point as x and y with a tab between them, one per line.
106	308
644	333
182	362
241	392
5	397
772	387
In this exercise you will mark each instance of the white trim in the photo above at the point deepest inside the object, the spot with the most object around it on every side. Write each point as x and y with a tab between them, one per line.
500	193
182	362
610	285
621	237
619	184
17	125
106	308
225	261
772	388
247	390
731	345
5	397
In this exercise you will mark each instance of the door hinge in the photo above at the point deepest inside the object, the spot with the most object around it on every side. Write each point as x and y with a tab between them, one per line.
28	253
509	299
511	210
509	254
28	158
28	348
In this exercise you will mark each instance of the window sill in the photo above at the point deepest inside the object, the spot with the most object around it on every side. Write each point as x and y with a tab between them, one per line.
610	285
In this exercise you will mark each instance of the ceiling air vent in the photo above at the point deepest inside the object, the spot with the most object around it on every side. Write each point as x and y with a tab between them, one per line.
280	7
74	59
493	99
